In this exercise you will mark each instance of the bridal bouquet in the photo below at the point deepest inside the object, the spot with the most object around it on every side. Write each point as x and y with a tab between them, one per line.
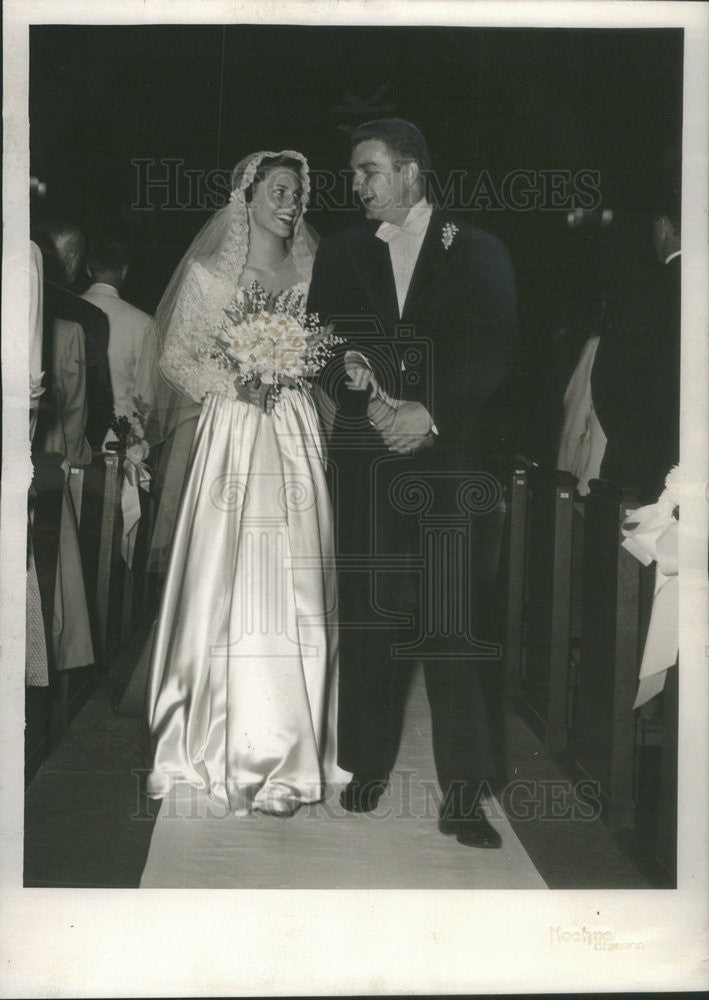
272	339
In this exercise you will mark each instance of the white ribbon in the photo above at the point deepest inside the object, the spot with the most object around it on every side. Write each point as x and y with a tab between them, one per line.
651	535
354	362
137	476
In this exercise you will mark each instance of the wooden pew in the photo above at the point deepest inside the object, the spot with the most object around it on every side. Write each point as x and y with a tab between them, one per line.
547	601
119	599
515	552
45	507
122	594
617	596
109	571
577	612
666	830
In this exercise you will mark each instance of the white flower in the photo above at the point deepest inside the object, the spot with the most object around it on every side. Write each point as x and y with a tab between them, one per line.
272	338
673	486
448	234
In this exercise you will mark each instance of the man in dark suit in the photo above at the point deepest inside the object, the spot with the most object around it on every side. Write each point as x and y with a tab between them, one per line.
427	304
635	382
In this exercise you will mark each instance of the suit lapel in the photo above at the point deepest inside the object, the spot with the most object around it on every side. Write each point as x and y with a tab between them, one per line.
432	260
373	266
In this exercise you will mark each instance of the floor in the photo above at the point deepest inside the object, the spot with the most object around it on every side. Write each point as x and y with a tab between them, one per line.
397	846
88	823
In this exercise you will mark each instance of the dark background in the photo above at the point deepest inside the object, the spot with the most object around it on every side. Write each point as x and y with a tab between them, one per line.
493	99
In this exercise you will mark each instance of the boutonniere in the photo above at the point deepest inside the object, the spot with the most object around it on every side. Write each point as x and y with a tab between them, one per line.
448	234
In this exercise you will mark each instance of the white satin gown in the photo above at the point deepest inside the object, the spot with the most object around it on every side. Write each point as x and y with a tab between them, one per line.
242	690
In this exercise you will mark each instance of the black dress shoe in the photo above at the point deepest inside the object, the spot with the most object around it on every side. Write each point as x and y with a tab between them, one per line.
364	791
474	832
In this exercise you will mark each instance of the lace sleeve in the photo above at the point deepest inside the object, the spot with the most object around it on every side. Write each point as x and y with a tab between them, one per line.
185	361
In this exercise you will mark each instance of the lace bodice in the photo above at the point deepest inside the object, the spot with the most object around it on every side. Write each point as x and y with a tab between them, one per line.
198	314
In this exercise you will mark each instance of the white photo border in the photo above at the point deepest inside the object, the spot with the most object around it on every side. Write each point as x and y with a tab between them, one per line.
142	943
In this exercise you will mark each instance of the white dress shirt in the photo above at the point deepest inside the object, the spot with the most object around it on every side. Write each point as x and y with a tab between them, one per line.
127	328
405	242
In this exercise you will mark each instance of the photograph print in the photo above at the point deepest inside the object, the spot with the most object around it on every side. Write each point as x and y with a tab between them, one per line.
352	532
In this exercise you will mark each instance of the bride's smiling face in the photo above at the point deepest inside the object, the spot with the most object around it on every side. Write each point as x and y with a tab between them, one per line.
276	202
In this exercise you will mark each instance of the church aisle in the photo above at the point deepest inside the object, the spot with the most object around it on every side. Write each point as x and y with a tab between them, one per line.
88	825
323	847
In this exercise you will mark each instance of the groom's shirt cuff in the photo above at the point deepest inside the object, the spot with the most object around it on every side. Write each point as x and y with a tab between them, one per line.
381	393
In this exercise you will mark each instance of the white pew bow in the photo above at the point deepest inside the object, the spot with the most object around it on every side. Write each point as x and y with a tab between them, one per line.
651	535
137	476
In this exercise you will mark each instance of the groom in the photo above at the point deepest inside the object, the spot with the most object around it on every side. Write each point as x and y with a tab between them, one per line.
427	304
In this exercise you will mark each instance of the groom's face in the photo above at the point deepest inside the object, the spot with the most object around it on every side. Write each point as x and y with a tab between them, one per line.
379	182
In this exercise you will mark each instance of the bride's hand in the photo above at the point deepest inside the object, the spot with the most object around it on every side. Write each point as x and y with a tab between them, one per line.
257	393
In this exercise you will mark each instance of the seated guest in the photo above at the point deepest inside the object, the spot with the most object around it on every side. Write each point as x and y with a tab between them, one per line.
636	376
668	250
63	245
107	266
62	434
36	664
35	334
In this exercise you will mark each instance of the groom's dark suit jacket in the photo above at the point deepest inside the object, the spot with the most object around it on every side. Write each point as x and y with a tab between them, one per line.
450	349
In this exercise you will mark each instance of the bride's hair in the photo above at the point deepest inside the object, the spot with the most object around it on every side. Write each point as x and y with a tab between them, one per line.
265	166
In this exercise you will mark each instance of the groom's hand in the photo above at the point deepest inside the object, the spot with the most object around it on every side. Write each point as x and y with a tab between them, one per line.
404	428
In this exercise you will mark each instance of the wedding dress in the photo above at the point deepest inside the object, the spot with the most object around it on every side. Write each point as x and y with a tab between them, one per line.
242	690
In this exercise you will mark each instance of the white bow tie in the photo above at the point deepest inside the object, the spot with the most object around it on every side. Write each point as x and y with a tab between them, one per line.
389	231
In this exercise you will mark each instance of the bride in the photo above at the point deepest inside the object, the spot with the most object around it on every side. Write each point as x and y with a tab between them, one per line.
242	688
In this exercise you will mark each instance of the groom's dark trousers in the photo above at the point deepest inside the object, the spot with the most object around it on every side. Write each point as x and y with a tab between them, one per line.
408	527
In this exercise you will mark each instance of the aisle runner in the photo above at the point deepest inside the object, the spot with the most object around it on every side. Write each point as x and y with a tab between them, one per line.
323	847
